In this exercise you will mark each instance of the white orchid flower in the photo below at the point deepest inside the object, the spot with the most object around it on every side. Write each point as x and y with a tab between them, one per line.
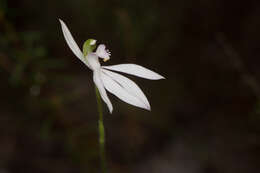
104	79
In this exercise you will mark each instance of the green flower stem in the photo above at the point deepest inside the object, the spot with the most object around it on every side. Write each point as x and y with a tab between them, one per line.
101	130
88	47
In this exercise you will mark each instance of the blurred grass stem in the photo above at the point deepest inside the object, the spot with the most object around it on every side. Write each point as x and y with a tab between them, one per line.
101	130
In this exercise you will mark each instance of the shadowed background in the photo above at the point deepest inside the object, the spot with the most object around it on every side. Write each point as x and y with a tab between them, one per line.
205	116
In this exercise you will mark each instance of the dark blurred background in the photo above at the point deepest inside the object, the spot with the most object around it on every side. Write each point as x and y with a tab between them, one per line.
205	116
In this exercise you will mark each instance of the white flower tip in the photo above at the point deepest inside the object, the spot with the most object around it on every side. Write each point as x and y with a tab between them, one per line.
93	42
110	108
162	77
61	21
157	76
148	107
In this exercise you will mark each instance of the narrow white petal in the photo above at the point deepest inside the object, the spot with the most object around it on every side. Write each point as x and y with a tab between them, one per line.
98	82
114	88
136	70
71	42
130	86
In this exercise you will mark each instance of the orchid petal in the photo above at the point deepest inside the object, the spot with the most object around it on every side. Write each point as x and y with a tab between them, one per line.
114	88
136	70
71	42
130	86
98	82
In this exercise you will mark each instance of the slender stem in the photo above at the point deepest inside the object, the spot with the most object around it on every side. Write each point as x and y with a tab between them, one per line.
101	130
